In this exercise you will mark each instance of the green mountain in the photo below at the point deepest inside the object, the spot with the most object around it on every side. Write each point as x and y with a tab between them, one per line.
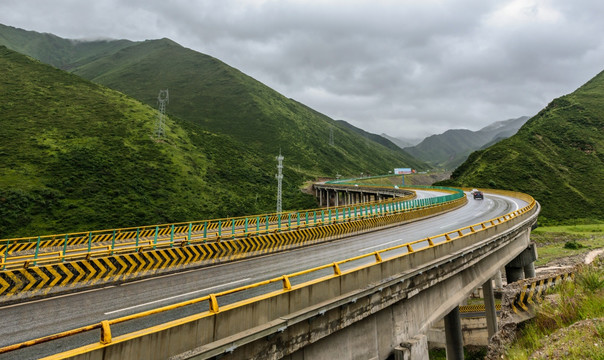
56	51
367	135
221	99
209	93
451	148
77	156
557	157
217	160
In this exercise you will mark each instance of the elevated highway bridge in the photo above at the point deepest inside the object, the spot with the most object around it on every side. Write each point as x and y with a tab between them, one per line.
360	296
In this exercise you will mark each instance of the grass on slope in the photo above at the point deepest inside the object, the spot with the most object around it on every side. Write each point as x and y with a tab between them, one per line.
207	92
53	50
76	156
569	325
557	157
559	242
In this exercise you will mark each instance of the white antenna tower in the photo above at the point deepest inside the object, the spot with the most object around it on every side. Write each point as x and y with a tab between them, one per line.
331	136
162	99
279	178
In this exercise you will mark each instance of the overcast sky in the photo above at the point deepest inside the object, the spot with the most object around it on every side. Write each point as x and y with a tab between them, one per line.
408	68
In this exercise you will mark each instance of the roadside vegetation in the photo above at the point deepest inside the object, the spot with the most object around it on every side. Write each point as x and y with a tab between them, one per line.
569	323
557	243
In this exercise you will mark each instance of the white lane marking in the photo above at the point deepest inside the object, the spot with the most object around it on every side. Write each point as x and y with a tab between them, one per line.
507	199
382	244
176	296
55	297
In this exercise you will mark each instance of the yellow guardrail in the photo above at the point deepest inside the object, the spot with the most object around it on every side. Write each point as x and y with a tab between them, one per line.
212	299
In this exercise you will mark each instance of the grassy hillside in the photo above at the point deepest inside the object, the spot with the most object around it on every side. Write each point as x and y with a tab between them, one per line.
209	93
78	156
557	157
56	51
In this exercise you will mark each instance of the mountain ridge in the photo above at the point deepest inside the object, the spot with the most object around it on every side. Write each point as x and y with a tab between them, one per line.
557	156
451	148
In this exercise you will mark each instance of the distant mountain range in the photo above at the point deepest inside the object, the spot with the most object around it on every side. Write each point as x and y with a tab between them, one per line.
451	148
557	156
81	156
402	142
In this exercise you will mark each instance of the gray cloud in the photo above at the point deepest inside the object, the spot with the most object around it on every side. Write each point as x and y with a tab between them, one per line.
406	68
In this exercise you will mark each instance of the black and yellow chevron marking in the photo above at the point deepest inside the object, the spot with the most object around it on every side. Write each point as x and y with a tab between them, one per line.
535	291
39	280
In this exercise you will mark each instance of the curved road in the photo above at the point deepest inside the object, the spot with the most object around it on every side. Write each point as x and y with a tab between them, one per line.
39	318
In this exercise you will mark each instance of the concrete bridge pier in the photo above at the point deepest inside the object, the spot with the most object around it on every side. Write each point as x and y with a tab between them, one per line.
415	348
489	305
498	280
523	265
454	335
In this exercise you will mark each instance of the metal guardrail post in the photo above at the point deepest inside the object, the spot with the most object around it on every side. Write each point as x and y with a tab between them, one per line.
245	226
189	234
289	220
205	230
330	215
322	216
5	254
137	236
279	221
266	222
89	240
112	241
257	224
37	248
219	228
233	226
172	236
155	238
65	247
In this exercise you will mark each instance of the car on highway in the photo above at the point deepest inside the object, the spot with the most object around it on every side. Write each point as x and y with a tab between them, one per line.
478	195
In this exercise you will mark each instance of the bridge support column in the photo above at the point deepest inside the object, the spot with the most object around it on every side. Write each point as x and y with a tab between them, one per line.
453	335
320	197
523	265
327	197
498	281
529	270
337	198
415	348
489	305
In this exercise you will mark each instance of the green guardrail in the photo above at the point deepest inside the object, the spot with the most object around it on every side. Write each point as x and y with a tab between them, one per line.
219	228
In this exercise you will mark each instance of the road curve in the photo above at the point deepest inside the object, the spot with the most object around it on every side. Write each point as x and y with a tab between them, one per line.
35	319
